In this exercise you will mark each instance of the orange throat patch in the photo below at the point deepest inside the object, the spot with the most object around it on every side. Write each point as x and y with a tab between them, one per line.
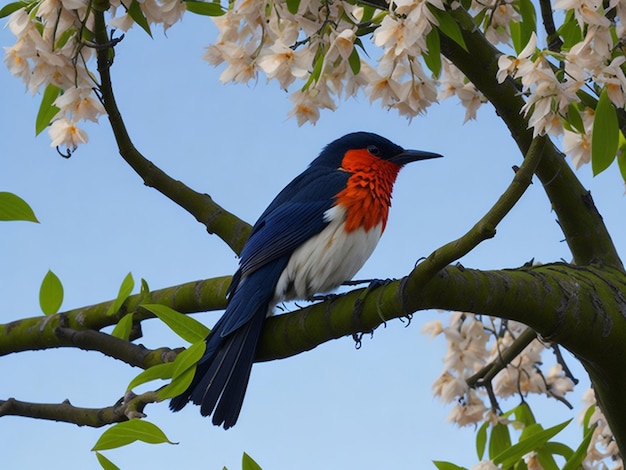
367	196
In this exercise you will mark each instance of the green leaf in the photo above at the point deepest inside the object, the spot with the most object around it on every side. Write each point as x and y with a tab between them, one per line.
605	134
447	465
574	118
534	441
558	448
432	58
587	418
13	207
105	463
184	370
189	329
11	8
177	386
127	432
500	440
128	284
65	36
481	440
204	8
248	463
317	71
621	155
355	61
47	110
524	414
123	327
135	12
50	294
516	36
448	26
570	31
157	372
575	461
145	289
292	6
546	460
528	24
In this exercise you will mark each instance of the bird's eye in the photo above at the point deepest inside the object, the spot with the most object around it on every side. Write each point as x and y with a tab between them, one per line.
373	150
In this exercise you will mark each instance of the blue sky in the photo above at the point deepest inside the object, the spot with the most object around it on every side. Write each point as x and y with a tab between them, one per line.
334	407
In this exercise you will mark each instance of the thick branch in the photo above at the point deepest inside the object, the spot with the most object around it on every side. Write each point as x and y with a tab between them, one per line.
554	300
37	333
217	220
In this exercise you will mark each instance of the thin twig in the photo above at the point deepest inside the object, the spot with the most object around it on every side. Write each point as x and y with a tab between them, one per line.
554	40
487	373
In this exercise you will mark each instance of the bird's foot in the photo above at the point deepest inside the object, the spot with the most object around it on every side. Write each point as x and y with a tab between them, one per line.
358	338
371	283
323	297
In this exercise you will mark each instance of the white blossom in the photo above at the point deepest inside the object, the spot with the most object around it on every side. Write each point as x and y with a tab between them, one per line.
64	133
585	11
81	104
602	446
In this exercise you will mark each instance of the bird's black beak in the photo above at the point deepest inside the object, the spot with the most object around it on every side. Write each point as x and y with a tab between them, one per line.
408	156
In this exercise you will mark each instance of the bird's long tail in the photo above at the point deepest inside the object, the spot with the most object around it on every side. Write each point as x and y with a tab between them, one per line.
222	374
221	377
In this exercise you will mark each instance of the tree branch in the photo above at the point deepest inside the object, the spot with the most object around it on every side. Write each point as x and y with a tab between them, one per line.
36	333
487	373
557	299
136	355
554	40
582	225
485	228
217	220
129	407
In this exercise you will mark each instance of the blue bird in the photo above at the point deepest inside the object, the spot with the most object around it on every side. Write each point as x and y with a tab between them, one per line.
315	235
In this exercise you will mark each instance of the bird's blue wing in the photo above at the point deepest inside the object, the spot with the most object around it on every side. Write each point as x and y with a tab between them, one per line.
295	215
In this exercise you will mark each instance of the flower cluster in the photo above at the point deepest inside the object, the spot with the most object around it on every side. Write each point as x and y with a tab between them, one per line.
48	54
552	80
317	47
307	45
602	448
454	83
53	52
472	345
498	15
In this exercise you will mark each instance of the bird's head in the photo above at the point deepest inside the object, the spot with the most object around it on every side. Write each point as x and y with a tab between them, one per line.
367	143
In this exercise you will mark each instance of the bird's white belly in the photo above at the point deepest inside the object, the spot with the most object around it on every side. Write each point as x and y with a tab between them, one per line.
326	260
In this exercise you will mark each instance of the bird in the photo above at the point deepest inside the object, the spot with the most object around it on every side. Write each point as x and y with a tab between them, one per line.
315	235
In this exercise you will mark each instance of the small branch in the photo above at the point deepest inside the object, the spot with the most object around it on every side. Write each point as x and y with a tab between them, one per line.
487	373
129	407
217	220
554	40
136	355
561	361
485	228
